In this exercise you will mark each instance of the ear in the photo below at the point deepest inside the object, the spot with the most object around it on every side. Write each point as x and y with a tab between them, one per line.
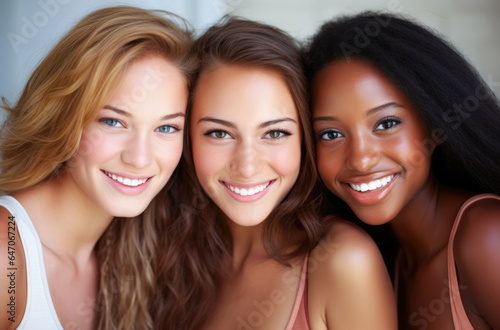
438	136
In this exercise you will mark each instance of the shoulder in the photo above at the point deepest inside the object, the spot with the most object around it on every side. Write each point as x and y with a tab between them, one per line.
348	276
479	229
345	245
476	247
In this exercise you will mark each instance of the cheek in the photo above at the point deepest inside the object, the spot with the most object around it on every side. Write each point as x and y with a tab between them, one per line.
169	155
94	148
208	160
413	153
328	165
286	160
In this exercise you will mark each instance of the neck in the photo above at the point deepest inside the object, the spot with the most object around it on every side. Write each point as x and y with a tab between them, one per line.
247	245
67	222
418	225
423	227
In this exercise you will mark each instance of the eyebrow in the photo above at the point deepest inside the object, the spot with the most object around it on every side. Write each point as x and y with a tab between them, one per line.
272	122
370	112
231	125
384	106
127	114
218	121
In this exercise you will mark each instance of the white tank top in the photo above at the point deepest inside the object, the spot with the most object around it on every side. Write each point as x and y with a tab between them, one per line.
39	312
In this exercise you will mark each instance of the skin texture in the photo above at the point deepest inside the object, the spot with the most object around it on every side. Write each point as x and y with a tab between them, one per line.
135	136
245	134
357	119
367	129
237	138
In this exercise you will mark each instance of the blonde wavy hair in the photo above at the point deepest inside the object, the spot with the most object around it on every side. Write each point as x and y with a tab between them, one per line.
43	130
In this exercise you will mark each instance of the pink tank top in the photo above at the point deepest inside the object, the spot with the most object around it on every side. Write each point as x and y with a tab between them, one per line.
460	319
299	320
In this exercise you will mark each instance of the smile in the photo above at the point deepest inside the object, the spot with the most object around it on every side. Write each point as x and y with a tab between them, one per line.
372	185
126	181
247	191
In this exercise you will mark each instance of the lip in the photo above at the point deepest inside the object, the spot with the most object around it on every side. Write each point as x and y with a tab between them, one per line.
128	190
371	196
247	199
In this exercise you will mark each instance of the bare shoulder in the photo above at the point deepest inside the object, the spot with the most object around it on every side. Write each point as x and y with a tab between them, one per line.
12	287
476	247
347	276
349	248
479	230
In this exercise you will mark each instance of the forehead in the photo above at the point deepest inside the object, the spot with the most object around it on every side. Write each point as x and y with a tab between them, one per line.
340	83
238	92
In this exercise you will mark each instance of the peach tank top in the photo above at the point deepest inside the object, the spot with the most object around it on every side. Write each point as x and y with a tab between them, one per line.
299	320
460	319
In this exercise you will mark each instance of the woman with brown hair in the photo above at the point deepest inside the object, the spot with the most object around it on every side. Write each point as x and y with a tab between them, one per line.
95	135
247	249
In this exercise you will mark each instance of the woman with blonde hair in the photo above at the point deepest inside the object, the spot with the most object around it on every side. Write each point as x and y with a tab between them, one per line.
95	135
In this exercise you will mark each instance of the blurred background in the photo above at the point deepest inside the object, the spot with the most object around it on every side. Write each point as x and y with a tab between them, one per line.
30	28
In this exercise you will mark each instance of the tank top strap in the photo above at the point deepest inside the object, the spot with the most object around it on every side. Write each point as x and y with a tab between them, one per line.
299	311
460	319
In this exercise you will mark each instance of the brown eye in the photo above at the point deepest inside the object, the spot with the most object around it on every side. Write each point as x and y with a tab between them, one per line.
329	135
276	134
218	134
387	123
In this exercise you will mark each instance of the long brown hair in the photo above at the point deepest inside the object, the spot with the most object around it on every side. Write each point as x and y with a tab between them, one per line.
43	130
197	241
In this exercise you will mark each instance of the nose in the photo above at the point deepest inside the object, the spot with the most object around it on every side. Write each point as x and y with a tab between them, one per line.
362	154
246	160
137	152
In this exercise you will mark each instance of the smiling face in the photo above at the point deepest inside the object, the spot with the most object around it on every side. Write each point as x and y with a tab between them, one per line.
370	140
128	153
246	141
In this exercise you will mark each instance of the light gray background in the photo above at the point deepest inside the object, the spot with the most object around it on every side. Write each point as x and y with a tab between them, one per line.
30	28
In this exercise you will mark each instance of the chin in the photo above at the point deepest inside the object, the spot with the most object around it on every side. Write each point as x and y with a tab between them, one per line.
247	220
127	212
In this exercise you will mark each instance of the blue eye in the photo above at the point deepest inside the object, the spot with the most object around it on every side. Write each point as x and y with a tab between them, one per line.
218	134
387	123
277	134
167	129
329	135
111	122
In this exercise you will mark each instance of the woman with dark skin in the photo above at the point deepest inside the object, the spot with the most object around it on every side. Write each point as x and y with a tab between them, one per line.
407	134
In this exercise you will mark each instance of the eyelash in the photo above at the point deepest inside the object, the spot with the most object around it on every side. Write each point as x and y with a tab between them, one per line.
394	121
281	133
329	131
213	131
173	129
106	121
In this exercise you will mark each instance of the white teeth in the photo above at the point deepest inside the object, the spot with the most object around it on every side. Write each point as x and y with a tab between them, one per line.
248	192
126	181
372	185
